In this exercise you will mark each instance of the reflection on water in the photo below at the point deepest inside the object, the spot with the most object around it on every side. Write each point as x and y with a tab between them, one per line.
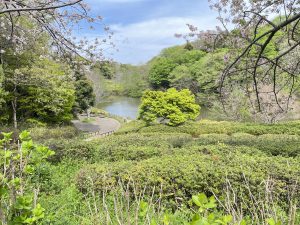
121	106
128	107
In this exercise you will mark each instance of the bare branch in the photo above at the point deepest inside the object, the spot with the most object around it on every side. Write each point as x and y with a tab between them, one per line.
37	8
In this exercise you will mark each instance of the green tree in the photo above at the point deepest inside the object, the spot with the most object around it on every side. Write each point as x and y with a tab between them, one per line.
14	79
134	85
181	78
174	107
206	72
84	93
107	69
159	74
51	96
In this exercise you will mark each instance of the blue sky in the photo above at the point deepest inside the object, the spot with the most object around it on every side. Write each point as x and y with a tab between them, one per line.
144	27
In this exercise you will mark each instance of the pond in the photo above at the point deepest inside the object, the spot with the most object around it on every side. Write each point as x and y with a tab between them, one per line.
121	106
128	107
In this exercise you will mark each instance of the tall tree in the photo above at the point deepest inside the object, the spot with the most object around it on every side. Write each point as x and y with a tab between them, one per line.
24	23
49	97
268	34
58	18
264	53
84	93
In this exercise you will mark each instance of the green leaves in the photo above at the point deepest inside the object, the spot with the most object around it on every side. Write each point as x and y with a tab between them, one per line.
7	137
204	216
203	202
175	107
165	70
24	136
159	74
23	203
26	214
272	221
26	159
143	209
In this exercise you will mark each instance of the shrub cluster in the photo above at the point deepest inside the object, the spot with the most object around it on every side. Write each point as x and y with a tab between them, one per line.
180	175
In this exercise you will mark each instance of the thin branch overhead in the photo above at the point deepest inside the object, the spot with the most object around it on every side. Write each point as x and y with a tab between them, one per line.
16	6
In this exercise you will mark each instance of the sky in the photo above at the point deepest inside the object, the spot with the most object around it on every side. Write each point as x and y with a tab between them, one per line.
142	28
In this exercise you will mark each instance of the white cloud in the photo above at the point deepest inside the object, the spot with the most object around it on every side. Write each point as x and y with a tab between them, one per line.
139	42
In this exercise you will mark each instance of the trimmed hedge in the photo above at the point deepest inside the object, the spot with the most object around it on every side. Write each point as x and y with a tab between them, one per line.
218	127
72	149
180	175
272	144
147	145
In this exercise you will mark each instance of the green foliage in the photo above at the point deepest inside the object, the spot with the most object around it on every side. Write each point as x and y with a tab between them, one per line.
2	94
271	49
41	134
204	216
128	80
196	157
206	72
220	127
106	69
37	85
134	85
180	55
35	123
181	174
84	94
175	106
53	101
43	90
20	178
160	72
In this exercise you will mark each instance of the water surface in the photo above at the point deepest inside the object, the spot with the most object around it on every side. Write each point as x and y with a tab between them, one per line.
121	106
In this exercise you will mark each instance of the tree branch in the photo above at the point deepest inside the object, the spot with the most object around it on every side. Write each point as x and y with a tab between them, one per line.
39	8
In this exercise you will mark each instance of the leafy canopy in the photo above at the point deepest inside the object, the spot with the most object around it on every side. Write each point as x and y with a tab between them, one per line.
170	58
175	107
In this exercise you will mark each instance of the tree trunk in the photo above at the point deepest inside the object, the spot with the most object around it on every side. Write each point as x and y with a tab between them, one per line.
14	107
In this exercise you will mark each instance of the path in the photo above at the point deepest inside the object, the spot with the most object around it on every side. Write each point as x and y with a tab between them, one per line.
99	127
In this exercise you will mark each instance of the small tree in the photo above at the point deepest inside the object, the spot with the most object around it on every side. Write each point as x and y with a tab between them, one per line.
175	107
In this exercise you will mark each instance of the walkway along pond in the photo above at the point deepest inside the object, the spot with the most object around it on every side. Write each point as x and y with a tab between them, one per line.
97	127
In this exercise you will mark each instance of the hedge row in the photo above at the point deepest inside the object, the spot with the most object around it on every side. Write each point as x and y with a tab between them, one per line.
272	144
222	127
179	176
147	145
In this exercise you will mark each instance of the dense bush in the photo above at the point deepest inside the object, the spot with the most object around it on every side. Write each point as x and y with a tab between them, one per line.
272	144
217	127
204	156
172	106
72	149
179	176
44	133
137	146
